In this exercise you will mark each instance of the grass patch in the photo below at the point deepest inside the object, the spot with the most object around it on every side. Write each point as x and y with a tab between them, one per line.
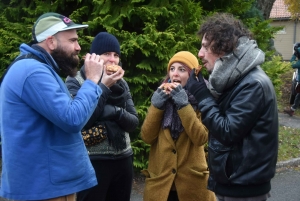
289	138
289	143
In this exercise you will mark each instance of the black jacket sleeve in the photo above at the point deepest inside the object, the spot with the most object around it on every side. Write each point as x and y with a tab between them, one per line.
73	86
128	119
100	106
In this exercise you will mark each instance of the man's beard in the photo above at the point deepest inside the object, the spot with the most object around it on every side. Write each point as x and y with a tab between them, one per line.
67	63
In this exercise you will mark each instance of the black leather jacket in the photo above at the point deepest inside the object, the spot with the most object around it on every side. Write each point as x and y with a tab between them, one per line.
243	136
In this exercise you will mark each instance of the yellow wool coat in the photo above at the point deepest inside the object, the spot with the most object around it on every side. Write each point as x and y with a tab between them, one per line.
182	162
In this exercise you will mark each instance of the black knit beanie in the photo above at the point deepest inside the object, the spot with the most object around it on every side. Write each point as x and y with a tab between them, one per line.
105	42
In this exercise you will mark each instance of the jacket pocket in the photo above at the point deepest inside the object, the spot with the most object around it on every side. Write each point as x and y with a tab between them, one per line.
217	160
68	163
148	174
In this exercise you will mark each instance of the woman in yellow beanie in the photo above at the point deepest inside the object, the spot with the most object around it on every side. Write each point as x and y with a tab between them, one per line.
177	168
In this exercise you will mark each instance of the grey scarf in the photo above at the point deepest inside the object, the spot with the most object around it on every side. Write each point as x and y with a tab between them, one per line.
231	67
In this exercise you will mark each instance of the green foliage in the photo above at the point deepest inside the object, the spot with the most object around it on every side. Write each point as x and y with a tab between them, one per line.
140	151
236	7
263	33
150	32
274	68
293	8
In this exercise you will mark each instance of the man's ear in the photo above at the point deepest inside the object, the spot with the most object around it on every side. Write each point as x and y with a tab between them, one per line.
51	42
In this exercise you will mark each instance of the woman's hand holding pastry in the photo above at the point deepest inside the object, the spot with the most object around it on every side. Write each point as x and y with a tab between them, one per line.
168	87
109	79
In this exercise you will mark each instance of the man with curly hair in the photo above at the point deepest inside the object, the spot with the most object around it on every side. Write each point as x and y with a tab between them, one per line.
239	109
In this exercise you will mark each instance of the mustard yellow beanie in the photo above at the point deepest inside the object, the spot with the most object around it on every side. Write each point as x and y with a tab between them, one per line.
186	58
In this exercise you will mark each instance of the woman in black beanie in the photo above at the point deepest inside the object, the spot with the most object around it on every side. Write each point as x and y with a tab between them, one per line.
112	159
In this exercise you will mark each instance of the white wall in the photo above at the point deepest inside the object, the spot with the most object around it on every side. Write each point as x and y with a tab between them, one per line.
285	39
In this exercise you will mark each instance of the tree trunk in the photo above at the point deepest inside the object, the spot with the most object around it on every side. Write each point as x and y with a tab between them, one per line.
265	6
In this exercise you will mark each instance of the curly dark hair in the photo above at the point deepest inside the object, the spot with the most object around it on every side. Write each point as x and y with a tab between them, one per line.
222	31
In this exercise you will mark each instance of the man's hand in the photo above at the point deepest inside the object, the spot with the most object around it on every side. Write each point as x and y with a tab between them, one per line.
109	80
197	86
93	66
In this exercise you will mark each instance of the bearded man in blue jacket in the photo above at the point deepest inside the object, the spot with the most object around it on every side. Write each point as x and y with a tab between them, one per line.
44	156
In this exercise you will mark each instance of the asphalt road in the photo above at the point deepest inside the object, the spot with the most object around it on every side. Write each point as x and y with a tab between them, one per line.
286	120
286	186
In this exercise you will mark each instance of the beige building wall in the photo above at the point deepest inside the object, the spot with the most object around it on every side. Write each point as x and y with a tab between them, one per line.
285	38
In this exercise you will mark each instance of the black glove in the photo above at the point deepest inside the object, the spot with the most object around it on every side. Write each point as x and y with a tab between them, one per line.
159	98
111	112
197	87
179	97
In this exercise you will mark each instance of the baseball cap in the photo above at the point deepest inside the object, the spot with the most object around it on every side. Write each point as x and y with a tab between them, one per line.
49	24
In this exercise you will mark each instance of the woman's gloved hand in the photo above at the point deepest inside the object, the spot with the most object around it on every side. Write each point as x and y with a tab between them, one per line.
179	97
159	98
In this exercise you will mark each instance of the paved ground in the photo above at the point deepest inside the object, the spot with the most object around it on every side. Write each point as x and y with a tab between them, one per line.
285	186
286	120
